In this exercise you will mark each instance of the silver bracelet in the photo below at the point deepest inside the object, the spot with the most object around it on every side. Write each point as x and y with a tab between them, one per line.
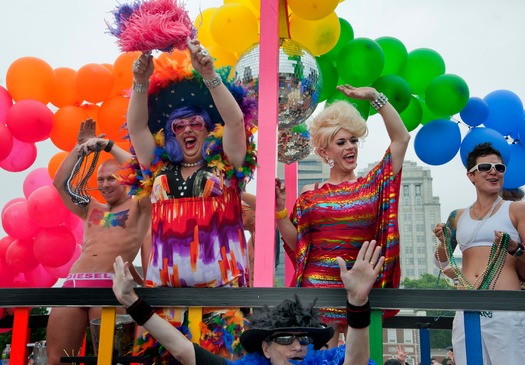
379	102
212	83
140	88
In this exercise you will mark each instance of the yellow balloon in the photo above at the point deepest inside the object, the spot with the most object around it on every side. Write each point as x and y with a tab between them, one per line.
312	9
253	5
202	24
234	27
318	36
222	57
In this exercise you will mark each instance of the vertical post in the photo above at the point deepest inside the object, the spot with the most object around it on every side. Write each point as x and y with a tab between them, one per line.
376	336
20	336
290	178
107	336
424	345
264	257
473	338
194	323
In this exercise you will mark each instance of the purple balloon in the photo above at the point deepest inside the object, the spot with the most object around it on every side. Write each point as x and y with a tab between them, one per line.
475	112
437	142
505	111
481	135
514	176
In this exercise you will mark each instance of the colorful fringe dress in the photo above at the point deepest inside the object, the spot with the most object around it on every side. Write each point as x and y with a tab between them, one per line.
335	220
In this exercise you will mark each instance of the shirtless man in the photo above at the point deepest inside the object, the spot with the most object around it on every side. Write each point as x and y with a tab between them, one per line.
117	227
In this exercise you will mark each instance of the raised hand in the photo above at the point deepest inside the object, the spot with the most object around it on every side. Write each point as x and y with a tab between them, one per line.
361	93
143	68
87	130
360	279
201	60
123	283
280	195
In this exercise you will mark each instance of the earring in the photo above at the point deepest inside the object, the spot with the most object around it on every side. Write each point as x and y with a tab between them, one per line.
330	163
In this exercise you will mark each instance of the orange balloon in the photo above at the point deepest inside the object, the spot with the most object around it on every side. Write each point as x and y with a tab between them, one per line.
65	92
112	116
94	83
30	78
66	123
122	72
91	111
54	163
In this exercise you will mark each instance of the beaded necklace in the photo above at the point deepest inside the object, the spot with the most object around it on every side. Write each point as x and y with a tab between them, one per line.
186	164
491	273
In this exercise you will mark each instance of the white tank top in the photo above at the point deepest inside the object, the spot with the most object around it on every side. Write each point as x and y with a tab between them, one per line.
474	233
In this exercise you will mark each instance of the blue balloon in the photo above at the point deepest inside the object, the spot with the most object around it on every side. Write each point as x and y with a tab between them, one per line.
437	142
514	176
505	111
475	112
481	135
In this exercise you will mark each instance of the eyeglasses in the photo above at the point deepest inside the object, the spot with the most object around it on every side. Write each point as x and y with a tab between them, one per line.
486	167
289	339
196	123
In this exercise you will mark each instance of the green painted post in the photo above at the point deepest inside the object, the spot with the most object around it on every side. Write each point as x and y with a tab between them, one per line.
376	336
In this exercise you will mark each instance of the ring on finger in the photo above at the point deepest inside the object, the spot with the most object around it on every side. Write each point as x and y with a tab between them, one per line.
371	262
204	52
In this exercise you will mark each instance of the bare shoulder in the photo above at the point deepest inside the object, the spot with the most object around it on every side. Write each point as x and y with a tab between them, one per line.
308	187
517	209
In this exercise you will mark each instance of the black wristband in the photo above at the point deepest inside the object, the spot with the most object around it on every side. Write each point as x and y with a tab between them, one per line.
358	316
140	311
109	146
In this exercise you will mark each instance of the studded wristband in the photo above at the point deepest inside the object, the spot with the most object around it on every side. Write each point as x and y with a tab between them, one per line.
212	83
379	102
140	88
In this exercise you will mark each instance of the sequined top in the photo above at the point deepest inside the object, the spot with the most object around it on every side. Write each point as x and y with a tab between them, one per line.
335	220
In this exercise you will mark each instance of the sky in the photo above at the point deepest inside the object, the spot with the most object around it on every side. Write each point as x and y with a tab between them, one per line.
479	40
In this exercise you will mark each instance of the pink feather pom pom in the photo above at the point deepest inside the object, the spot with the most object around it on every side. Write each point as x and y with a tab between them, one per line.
155	24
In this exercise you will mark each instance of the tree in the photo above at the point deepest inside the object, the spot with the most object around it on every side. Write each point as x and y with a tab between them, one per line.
438	338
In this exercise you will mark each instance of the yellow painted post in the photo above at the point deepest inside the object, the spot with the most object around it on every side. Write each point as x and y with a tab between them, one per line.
194	325
107	334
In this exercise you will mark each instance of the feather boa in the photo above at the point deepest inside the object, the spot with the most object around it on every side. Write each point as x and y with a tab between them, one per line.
153	24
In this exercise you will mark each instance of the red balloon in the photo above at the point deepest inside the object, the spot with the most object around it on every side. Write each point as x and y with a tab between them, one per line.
39	278
5	242
54	246
6	141
6	275
5	103
35	179
46	207
30	121
20	256
21	157
17	222
11	202
62	271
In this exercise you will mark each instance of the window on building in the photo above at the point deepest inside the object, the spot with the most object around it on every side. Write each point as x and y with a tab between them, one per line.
406	190
407	238
420	239
407	216
419	201
408	335
421	272
410	261
421	261
420	217
409	250
406	201
410	273
420	228
408	228
421	249
417	189
391	335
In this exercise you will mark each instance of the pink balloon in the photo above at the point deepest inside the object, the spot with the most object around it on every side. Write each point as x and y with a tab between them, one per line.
19	256
11	202
6	141
40	278
17	223
21	157
35	179
46	207
62	271
76	225
5	242
54	246
5	103
6	275
30	120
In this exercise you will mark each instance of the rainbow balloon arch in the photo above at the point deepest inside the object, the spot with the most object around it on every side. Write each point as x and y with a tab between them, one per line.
317	50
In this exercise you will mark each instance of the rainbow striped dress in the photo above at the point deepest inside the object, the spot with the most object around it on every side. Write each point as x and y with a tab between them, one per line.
335	220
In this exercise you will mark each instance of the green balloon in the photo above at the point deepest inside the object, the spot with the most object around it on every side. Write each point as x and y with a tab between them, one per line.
412	115
346	35
396	89
363	106
396	55
329	76
447	94
360	62
423	65
429	115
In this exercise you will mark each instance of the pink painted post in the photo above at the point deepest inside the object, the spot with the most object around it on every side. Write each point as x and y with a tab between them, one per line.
264	261
290	178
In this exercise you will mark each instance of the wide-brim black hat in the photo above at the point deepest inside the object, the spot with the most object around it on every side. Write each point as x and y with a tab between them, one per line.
251	339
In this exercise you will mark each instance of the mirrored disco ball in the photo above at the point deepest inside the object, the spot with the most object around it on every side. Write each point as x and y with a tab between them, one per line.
292	146
299	80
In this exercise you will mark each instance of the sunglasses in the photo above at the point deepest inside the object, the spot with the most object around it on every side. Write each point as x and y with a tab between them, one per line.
196	123
289	339
486	167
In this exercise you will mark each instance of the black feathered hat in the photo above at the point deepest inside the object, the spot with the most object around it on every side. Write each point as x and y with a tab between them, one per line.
288	317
